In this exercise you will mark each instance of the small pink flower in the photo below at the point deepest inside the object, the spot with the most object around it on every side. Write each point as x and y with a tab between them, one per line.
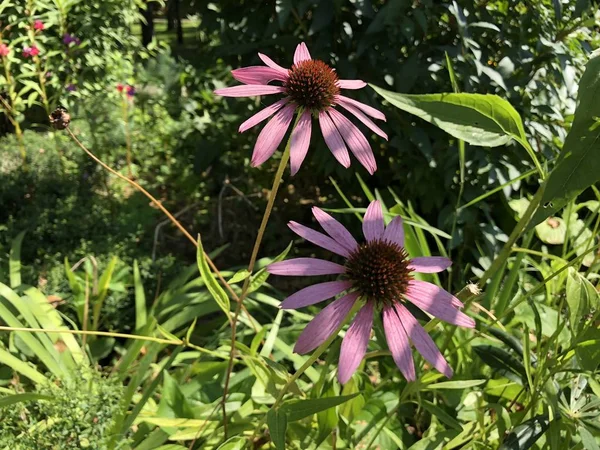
38	25
379	272
311	88
4	50
120	87
30	51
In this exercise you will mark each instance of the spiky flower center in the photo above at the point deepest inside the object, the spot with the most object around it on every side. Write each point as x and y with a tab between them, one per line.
379	271
312	85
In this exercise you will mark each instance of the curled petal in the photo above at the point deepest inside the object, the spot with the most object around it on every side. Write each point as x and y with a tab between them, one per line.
373	226
355	139
249	90
422	341
300	141
335	229
272	64
365	120
351	84
325	323
368	110
398	343
305	267
318	239
315	294
262	115
429	264
333	139
437	302
257	75
301	53
354	345
394	232
271	135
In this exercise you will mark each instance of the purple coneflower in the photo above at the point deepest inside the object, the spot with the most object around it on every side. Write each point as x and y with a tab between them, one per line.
312	88
379	272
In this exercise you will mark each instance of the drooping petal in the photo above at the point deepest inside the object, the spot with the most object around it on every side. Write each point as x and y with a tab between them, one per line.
365	120
301	53
249	90
351	84
368	110
334	140
272	64
257	75
335	229
325	324
262	115
354	345
315	294
429	264
422	341
271	135
398	343
437	302
305	267
300	141
357	142
394	232
373	225
319	239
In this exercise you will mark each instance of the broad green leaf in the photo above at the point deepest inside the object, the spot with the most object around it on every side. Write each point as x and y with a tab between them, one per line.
19	398
234	443
578	165
478	119
326	420
304	408
581	298
240	275
14	261
211	282
525	435
277	421
588	439
501	360
141	316
461	384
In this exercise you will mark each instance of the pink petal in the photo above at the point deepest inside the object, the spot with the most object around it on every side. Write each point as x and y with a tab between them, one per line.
273	65
257	75
318	239
398	343
262	115
354	345
300	142
429	264
305	267
364	119
422	341
373	226
301	53
351	84
249	90
325	323
437	302
368	110
335	229
271	135
355	139
394	232
315	294
334	140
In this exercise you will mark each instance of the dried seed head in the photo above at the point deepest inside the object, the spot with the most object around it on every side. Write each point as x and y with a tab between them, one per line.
60	118
379	270
312	85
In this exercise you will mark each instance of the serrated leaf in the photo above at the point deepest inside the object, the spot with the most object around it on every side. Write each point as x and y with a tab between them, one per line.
304	408
277	421
217	292
525	435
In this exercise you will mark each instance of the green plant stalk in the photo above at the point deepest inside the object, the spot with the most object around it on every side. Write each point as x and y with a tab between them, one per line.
125	115
259	237
10	109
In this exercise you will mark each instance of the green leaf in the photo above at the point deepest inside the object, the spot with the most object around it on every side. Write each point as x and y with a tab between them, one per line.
167	334
211	282
234	443
525	435
277	421
22	367
501	360
19	398
461	384
14	262
578	165
173	422
588	440
240	275
581	298
260	277
171	447
141	316
484	120
304	408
